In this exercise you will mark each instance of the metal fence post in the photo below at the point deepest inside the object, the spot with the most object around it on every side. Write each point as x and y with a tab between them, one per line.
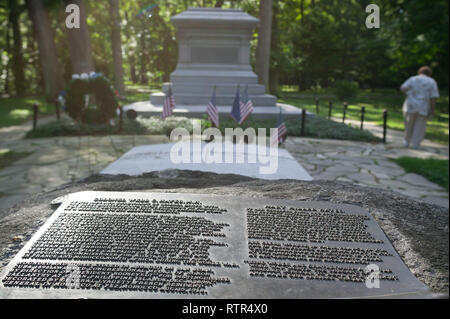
35	115
120	119
363	111
58	116
330	109
302	132
345	112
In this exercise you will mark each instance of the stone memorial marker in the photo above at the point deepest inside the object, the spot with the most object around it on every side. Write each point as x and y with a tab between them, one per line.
148	158
214	49
157	245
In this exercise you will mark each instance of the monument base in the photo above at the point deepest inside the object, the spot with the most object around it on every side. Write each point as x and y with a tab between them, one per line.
147	109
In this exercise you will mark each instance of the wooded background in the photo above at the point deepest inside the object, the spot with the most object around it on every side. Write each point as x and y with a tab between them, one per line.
313	42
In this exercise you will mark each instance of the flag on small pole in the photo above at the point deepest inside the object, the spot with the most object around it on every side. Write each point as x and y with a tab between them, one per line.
246	105
236	109
169	104
280	136
212	111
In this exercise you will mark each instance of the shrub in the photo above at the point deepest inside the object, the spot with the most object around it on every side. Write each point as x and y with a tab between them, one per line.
344	89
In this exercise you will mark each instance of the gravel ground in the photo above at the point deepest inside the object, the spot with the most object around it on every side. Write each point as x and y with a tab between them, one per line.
419	231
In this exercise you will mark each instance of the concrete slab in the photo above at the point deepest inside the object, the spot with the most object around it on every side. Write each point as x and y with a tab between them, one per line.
148	158
157	245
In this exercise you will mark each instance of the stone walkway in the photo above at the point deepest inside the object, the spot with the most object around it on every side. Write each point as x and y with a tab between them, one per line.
61	160
370	164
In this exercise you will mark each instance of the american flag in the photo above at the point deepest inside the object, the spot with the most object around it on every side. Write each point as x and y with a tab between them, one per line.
281	134
169	104
212	111
246	106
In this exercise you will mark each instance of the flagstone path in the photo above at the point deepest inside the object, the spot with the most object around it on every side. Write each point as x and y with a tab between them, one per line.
60	160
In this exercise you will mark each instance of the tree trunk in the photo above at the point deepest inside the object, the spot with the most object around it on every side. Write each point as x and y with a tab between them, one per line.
8	51
143	60
274	74
132	62
51	70
263	49
80	43
18	66
117	47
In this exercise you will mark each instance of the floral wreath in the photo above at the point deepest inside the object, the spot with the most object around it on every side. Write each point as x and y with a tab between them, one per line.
77	94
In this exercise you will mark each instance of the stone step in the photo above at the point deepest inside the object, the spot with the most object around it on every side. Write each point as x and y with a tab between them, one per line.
265	100
147	109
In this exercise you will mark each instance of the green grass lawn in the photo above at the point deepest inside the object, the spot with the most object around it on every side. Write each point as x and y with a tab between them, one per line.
434	170
15	111
375	103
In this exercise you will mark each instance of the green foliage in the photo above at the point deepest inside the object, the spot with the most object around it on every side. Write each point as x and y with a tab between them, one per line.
314	42
344	89
435	170
315	127
106	103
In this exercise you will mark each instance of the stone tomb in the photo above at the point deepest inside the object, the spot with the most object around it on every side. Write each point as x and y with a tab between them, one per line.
156	245
148	158
214	50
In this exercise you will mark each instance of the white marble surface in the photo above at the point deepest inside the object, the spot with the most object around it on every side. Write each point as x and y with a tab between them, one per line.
148	158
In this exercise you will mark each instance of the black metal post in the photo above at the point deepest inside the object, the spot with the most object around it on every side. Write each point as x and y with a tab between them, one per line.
385	116
363	111
330	109
302	132
35	115
120	119
345	112
317	106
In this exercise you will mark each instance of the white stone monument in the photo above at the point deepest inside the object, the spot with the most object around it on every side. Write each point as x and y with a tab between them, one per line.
214	50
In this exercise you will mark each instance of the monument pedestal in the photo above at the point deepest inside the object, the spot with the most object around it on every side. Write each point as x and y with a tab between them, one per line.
214	51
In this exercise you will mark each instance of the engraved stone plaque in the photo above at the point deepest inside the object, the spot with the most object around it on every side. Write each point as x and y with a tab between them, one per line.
157	245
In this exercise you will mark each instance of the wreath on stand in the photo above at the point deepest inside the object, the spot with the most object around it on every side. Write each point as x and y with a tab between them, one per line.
85	88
